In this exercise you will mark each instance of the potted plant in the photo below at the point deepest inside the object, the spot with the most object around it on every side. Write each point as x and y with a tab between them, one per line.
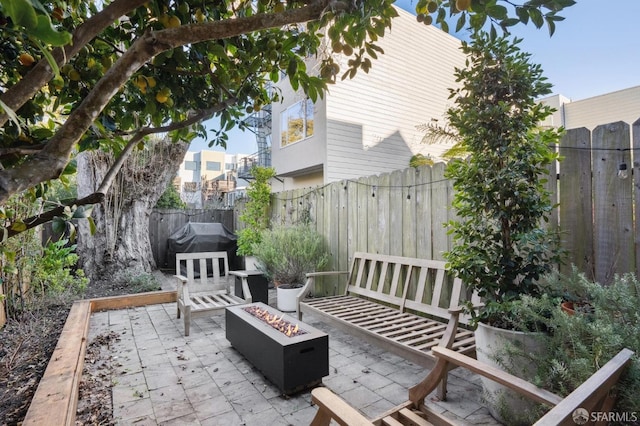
500	247
286	254
255	215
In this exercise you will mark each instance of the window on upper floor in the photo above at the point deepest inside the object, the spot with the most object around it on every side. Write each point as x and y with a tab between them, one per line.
190	165
296	122
214	166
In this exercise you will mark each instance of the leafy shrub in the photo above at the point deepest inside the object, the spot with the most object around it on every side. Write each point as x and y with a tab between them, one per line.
286	254
578	345
55	273
256	213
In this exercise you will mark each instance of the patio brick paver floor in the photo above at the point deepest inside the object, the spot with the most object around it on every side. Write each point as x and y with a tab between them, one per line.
163	377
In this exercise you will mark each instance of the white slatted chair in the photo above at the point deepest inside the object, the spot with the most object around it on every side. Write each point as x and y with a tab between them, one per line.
205	289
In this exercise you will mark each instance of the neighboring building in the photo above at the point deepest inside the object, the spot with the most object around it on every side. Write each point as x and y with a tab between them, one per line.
367	125
621	105
206	178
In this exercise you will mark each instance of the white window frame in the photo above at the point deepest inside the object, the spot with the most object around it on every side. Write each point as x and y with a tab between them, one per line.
302	109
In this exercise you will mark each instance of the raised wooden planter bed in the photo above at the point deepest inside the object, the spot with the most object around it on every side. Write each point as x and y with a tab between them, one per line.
56	399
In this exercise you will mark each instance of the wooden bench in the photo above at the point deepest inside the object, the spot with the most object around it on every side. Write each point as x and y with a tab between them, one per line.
593	395
206	288
401	303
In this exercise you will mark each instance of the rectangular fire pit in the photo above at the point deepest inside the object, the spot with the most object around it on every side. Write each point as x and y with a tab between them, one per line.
292	363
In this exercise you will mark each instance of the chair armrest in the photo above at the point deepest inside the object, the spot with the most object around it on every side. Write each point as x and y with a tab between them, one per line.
331	406
183	289
595	388
182	279
244	276
497	375
246	291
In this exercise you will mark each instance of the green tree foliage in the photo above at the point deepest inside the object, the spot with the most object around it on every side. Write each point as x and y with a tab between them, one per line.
255	216
502	14
138	67
500	247
170	199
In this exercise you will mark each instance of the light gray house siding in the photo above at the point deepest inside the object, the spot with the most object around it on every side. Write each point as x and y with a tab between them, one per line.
367	125
372	119
621	105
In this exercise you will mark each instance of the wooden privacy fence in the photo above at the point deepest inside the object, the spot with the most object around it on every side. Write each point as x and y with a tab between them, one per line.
403	213
400	213
598	210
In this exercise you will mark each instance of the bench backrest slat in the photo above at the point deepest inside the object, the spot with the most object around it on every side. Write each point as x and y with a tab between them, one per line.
404	282
396	278
422	282
455	292
203	270
437	288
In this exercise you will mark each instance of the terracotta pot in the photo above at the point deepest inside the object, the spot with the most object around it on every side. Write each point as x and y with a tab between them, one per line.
582	307
568	308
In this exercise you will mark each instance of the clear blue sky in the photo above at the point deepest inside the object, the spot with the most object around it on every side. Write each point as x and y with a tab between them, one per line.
595	50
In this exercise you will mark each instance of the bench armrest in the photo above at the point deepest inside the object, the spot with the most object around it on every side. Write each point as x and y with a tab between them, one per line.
331	406
326	273
309	286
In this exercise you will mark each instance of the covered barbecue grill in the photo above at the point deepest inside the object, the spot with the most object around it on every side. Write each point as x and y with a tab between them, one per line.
196	237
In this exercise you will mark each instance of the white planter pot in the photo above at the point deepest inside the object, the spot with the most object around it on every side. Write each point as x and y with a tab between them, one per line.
505	405
250	263
286	297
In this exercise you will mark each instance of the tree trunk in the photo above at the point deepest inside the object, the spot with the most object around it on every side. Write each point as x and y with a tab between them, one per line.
120	249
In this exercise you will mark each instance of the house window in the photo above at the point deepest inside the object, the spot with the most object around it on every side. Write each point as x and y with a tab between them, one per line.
214	166
296	122
190	165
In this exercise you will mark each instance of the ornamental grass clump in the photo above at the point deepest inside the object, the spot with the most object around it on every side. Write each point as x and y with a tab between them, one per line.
287	253
501	247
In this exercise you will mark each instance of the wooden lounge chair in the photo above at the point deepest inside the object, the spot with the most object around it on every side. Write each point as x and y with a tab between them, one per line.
593	395
204	285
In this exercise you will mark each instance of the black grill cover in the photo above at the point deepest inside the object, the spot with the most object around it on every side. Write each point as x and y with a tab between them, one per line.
199	237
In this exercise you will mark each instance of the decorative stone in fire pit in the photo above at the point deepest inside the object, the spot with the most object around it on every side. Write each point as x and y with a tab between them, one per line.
291	354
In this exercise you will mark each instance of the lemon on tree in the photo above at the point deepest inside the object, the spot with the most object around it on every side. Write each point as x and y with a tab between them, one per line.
463	4
26	59
163	95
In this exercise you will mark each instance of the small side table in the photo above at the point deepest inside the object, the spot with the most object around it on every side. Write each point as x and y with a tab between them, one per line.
257	282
